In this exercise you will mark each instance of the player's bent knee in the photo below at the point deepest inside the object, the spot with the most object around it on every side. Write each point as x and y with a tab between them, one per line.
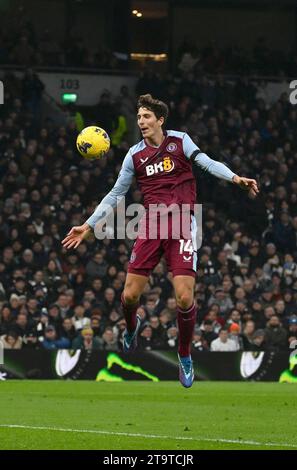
185	300
131	297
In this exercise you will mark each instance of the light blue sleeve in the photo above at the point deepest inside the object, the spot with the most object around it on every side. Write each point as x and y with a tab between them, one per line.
214	167
188	146
110	201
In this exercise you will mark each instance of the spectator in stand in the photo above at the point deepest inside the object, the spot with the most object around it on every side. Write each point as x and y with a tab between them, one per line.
80	320
242	275
146	338
97	325
68	330
217	322
172	337
165	321
171	307
97	267
284	234
86	340
198	343
113	318
158	331
54	316
234	317
52	341
30	340
23	325
208	333
222	299
41	325
223	343
258	341
6	319
11	340
234	331
63	303
275	335
108	341
247	335
290	306
109	302
255	256
97	287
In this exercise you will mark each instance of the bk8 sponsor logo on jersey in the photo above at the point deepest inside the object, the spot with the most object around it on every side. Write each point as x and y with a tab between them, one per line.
165	165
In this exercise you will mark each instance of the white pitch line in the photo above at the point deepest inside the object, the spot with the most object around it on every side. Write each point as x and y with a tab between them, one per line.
150	436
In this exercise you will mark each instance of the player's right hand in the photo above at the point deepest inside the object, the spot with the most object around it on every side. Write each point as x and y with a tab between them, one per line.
247	184
76	235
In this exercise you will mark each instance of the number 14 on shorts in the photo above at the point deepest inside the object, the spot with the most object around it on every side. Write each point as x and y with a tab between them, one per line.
186	246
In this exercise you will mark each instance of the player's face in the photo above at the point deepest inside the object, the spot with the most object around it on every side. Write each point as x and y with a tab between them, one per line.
148	123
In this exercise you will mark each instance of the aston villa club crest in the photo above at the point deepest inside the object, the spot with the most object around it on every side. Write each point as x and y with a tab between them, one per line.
171	147
133	257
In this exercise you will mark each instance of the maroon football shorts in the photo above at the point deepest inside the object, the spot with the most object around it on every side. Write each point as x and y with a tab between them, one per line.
177	243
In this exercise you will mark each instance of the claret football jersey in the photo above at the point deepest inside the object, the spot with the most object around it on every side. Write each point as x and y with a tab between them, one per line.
163	173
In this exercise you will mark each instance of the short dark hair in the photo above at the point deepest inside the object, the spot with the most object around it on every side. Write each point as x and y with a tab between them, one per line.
159	108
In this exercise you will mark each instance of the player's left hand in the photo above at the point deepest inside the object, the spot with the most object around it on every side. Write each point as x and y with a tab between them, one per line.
247	184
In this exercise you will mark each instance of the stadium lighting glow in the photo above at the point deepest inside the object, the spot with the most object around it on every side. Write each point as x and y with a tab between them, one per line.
139	14
142	56
134	12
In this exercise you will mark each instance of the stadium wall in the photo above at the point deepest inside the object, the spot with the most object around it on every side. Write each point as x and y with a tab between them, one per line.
153	365
89	87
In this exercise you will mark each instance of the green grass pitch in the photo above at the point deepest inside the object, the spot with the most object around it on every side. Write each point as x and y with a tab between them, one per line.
146	415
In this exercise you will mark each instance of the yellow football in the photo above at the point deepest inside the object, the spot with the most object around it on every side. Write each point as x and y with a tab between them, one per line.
93	142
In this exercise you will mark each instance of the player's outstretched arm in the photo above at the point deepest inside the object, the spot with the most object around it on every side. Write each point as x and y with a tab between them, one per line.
77	234
220	170
216	168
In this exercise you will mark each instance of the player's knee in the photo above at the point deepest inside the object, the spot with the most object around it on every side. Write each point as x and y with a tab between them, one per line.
185	300
130	297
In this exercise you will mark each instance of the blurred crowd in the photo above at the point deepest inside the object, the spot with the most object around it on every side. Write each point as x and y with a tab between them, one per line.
21	45
246	285
260	60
